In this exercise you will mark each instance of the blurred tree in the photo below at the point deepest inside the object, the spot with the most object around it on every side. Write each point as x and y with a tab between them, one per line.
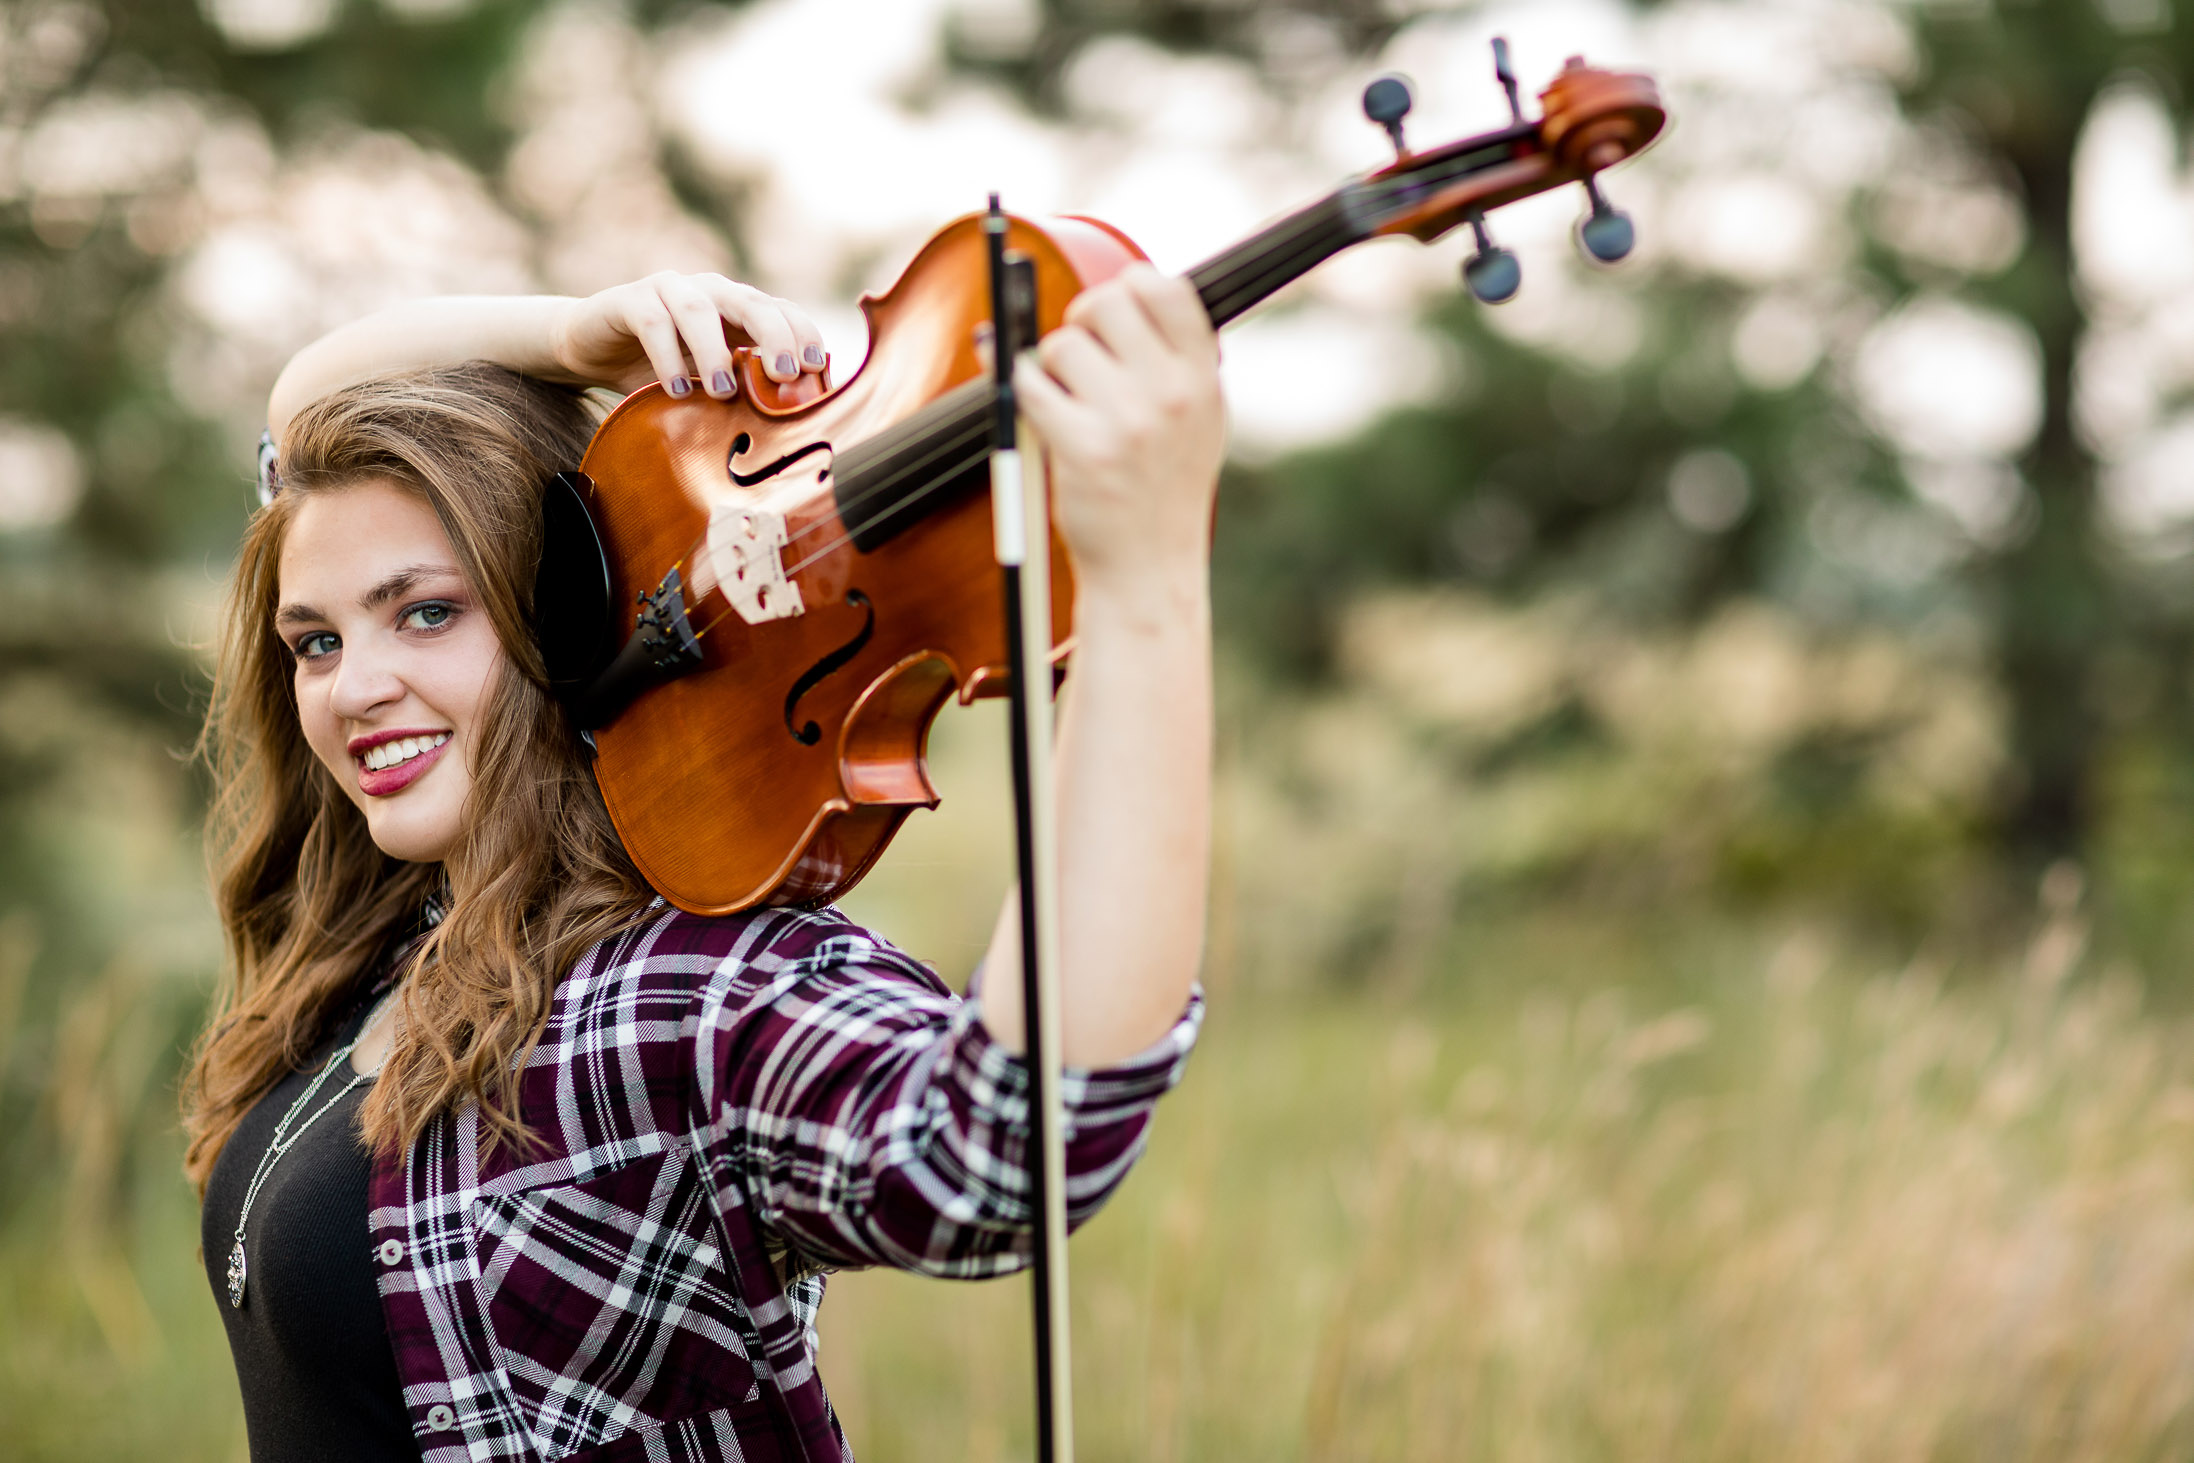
2017	80
1502	487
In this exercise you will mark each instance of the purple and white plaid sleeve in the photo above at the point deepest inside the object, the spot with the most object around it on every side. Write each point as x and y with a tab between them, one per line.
866	1114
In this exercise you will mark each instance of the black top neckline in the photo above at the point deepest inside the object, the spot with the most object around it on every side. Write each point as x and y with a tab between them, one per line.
312	1352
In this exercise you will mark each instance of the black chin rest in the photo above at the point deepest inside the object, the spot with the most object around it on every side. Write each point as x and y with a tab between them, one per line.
573	620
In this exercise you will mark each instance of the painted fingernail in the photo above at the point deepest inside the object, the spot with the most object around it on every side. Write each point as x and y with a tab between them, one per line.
784	363
680	386
720	383
813	355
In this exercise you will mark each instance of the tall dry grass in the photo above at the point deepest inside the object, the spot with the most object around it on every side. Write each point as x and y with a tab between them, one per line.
1812	1213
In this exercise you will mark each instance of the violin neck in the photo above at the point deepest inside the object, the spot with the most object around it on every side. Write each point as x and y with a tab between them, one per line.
888	482
1235	280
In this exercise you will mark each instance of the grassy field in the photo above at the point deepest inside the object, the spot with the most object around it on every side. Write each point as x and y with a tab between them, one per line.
1670	1195
1587	1175
1809	1212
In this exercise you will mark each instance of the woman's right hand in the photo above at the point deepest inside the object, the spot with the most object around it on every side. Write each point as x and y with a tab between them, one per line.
680	329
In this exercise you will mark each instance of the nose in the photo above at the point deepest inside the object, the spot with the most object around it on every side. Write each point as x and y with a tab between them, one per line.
365	680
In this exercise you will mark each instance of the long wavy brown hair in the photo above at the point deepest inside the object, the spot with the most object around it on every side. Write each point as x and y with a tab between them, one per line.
310	906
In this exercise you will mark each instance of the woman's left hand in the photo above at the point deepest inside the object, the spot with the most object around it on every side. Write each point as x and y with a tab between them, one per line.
680	329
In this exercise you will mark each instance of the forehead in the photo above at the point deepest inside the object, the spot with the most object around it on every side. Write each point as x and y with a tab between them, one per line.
340	543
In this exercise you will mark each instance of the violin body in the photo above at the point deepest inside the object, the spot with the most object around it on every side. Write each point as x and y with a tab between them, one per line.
780	769
802	576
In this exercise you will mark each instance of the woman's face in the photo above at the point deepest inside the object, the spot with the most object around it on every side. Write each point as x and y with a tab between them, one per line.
394	659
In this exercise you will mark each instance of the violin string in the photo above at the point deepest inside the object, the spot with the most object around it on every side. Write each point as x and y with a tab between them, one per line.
1227	293
1280	254
1272	257
1276	262
1232	289
1228	284
1246	269
963	420
930	482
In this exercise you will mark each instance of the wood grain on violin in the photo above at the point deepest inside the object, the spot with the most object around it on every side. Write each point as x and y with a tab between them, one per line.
806	572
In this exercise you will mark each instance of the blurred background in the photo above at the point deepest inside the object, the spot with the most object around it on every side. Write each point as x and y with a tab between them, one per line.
1707	775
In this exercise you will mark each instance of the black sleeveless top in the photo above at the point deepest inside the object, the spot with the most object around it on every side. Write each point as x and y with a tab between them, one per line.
312	1351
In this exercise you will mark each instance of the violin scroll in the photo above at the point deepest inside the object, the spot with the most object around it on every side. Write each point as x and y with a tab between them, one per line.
1589	121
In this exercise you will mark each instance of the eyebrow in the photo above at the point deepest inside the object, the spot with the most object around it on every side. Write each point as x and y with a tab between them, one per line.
401	582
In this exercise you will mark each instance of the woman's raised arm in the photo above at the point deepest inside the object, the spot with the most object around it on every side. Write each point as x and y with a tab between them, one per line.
679	329
1126	398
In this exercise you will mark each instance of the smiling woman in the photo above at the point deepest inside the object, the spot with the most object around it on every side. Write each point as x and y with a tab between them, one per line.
504	1157
384	598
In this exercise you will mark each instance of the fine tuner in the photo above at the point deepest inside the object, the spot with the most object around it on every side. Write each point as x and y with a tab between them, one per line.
1605	233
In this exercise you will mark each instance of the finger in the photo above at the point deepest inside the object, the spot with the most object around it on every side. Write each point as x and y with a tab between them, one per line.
762	318
1175	310
1117	316
1082	364
1060	420
648	320
806	338
701	328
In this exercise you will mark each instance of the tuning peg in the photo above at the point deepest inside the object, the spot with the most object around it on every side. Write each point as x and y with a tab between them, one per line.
1387	101
1507	75
1492	272
1605	232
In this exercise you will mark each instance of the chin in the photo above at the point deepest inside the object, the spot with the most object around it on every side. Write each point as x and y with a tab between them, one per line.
415	840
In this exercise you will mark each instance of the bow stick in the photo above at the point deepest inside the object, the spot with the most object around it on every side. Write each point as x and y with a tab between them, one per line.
1020	513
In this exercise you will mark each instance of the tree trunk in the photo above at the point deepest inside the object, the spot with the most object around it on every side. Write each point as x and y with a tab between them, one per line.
2053	604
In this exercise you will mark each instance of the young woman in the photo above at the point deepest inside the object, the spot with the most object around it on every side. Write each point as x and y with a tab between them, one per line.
501	1156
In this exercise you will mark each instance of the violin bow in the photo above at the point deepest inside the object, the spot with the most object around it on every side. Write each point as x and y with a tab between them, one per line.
1021	519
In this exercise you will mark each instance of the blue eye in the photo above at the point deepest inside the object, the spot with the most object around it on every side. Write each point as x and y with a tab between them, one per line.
315	645
430	616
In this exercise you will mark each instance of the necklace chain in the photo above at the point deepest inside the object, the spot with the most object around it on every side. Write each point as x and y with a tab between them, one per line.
284	1140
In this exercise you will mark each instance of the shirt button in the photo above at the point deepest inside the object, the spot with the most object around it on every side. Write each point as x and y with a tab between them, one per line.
440	1419
390	1252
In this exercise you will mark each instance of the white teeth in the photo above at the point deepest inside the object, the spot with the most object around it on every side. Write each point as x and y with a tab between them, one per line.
403	749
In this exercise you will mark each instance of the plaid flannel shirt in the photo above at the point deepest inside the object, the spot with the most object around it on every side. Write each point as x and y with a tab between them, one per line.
730	1106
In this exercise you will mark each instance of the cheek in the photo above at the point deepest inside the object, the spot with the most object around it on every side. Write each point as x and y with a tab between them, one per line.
325	735
465	673
314	717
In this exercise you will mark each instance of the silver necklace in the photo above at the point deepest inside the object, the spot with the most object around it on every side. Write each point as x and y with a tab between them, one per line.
284	1140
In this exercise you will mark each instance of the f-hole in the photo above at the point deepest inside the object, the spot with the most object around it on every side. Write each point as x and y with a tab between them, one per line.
743	442
828	666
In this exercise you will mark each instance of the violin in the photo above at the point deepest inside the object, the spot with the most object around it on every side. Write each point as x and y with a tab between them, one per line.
758	606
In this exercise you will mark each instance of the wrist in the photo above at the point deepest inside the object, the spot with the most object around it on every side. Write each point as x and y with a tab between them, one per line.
556	341
1144	599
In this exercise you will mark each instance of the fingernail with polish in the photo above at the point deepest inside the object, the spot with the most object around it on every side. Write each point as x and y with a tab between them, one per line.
720	383
680	386
784	363
813	355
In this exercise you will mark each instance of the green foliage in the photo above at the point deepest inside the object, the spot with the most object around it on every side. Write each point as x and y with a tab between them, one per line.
1541	477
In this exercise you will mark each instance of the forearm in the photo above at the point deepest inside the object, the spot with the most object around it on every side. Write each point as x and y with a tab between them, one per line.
1133	771
518	331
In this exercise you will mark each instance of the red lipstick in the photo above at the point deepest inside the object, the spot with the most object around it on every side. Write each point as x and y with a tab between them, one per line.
384	781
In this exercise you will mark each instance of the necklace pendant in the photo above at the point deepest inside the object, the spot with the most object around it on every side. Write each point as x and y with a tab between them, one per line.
236	1276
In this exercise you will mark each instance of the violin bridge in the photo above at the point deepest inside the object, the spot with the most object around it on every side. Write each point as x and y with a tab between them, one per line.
745	547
